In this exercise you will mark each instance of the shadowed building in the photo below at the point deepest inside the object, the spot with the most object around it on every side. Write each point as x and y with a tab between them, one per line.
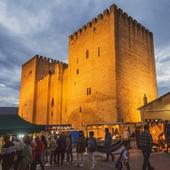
158	109
111	66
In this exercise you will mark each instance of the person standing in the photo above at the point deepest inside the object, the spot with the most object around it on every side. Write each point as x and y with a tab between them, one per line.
38	155
69	148
91	148
108	143
146	143
45	154
61	148
56	136
167	134
19	148
80	149
7	153
53	147
137	133
126	136
26	154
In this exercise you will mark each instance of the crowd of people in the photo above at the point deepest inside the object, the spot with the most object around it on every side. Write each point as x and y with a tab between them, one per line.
27	153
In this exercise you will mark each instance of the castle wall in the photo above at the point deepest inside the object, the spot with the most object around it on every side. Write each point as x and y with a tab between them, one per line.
55	111
97	71
41	90
27	90
136	74
42	99
49	96
65	89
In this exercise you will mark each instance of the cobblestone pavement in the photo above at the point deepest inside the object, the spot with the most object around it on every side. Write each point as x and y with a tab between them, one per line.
160	161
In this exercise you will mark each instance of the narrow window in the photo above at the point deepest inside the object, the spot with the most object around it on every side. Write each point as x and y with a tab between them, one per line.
77	71
87	54
52	102
88	91
98	51
51	113
80	108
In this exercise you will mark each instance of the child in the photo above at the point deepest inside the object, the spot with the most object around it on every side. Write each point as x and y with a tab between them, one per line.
123	158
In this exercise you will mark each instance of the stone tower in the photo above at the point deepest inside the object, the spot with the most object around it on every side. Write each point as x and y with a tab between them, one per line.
111	66
41	90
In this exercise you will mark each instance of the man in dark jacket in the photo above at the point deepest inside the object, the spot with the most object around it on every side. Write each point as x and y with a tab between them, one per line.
61	148
80	148
108	143
146	143
7	153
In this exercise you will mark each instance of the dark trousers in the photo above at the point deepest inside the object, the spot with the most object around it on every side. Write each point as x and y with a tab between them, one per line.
69	155
60	156
5	168
109	153
18	161
37	161
146	154
6	165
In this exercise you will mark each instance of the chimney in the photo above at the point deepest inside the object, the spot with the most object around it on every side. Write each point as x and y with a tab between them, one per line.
145	100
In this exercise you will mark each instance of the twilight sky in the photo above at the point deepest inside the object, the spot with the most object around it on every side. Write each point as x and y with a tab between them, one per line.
29	27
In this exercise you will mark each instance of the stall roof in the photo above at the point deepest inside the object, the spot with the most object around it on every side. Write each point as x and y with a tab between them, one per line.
112	123
10	122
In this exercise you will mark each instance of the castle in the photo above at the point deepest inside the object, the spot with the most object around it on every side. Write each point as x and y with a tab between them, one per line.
111	66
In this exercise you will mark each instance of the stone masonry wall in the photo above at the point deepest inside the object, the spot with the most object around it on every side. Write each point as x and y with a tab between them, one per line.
135	66
95	71
27	90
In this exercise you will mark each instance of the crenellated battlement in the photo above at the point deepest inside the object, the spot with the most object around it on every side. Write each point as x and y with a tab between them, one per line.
100	17
45	59
118	12
135	25
43	78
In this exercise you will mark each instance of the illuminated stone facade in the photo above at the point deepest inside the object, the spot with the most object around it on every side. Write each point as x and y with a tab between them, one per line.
110	67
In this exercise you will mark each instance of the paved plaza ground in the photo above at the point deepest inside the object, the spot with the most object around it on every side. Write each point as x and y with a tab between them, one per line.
160	160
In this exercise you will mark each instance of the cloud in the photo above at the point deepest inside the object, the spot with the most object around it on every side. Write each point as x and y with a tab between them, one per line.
8	96
163	68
